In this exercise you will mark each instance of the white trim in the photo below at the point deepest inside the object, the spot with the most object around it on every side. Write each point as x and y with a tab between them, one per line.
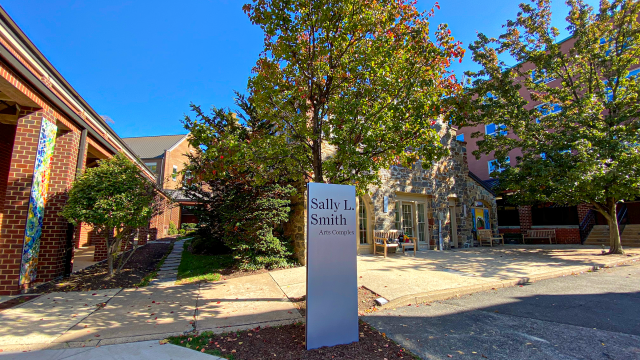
178	143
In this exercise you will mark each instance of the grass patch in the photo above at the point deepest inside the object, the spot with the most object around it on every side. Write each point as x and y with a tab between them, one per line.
147	279
195	268
198	343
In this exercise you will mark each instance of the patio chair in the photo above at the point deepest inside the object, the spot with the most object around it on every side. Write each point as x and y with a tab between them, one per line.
486	236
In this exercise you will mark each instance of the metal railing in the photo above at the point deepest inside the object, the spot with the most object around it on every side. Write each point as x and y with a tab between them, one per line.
587	225
622	214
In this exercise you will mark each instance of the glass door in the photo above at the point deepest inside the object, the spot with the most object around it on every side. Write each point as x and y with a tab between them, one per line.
407	219
421	223
362	222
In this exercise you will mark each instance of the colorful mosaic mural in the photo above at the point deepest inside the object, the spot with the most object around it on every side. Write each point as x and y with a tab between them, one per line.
37	201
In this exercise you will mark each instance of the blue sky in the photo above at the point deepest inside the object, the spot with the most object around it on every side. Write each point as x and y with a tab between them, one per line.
142	62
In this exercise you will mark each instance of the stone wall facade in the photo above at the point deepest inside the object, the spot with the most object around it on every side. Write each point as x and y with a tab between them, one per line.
444	188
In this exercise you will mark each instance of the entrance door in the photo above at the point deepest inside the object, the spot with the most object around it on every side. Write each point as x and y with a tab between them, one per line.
453	224
407	219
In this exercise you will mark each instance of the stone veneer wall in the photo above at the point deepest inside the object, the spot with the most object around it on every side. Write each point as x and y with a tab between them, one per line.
444	180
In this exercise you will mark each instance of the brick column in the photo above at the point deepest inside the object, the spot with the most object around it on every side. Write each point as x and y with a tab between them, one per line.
143	234
525	218
100	252
583	210
83	235
63	171
16	198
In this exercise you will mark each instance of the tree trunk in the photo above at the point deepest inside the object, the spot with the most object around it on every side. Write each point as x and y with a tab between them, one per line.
317	160
109	253
614	232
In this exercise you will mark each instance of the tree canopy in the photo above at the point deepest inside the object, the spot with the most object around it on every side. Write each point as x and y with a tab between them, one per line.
348	87
570	107
113	197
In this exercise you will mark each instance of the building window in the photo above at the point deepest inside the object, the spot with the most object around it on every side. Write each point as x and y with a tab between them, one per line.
493	129
538	76
153	167
174	174
460	137
362	221
495	166
608	91
546	109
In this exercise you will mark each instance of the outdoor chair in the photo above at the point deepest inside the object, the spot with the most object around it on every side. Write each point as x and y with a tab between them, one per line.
486	236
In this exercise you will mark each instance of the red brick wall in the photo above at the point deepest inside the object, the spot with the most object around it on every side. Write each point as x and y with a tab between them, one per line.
53	241
525	217
83	235
100	252
16	200
563	236
7	134
143	235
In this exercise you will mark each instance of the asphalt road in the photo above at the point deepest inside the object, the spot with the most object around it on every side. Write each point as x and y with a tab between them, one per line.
588	316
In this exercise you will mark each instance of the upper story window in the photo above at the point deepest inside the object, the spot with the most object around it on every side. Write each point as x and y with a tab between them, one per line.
460	137
174	174
608	91
493	129
546	109
611	45
539	76
153	167
495	166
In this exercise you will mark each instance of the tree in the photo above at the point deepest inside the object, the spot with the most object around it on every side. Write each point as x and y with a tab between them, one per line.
113	197
580	145
239	205
351	86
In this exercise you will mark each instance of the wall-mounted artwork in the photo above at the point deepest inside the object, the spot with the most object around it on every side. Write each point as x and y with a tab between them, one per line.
37	201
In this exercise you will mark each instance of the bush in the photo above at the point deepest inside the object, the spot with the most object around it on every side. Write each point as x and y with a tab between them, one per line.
182	232
241	218
188	226
173	229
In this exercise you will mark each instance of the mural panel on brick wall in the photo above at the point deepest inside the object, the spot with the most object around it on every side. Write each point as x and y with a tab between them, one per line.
37	201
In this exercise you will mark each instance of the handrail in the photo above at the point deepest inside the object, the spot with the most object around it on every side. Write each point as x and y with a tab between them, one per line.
621	215
587	225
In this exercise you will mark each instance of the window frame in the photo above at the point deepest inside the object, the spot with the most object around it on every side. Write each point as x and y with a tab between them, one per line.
496	161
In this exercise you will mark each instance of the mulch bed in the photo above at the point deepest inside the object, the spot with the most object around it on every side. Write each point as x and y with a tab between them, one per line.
366	302
143	262
288	342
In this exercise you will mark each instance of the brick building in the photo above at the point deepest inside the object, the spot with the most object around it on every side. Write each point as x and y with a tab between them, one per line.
48	135
572	224
166	157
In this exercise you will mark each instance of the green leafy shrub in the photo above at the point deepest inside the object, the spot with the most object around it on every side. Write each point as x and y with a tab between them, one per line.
173	229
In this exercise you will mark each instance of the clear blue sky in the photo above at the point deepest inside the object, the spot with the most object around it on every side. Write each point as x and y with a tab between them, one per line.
141	62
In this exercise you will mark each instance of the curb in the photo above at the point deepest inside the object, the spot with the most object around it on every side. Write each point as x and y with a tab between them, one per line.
446	294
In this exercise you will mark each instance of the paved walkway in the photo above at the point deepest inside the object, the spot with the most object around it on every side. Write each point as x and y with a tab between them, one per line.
434	275
113	316
168	273
144	350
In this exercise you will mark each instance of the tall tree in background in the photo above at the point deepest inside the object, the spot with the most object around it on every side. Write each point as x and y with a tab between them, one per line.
353	86
581	144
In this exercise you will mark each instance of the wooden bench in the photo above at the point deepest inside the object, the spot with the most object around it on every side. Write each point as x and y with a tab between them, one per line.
486	235
540	234
381	239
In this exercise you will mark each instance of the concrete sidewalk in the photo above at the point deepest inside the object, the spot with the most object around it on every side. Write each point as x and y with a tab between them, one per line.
436	275
145	350
106	317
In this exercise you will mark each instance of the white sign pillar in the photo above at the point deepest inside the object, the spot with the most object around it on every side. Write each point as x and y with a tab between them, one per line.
332	284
